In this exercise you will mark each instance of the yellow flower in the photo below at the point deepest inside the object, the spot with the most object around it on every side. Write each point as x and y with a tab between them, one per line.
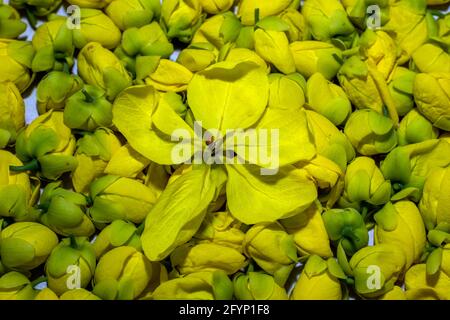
432	96
364	182
434	204
196	286
191	258
246	9
26	245
197	57
78	294
46	294
12	113
370	132
122	273
316	282
97	4
269	245
376	269
396	293
169	76
15	59
216	6
130	13
120	198
431	58
328	99
257	286
298	28
419	285
401	224
10	25
47	146
380	49
415	128
221	228
286	92
401	86
95	26
99	67
315	56
308	230
15	286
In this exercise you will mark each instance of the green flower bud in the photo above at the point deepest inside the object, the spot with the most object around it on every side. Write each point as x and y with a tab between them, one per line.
15	189
97	4
130	14
216	6
46	294
401	88
60	267
408	25
257	286
122	274
400	224
319	280
26	245
37	8
298	28
213	285
431	58
120	198
46	146
88	110
329	141
95	26
376	269
328	99
444	29
314	56
181	18
78	294
219	30
15	286
366	87
99	67
364	182
94	151
10	25
415	128
12	113
139	46
221	228
197	57
420	286
286	92
15	59
118	233
309	232
191	258
347	227
434	205
272	44
408	166
63	211
54	90
272	249
370	132
327	19
357	11
432	96
380	49
53	43
247	9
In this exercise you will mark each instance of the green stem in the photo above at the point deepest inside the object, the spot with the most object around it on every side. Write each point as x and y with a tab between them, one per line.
31	18
33	165
88	97
73	242
256	15
38	280
140	228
